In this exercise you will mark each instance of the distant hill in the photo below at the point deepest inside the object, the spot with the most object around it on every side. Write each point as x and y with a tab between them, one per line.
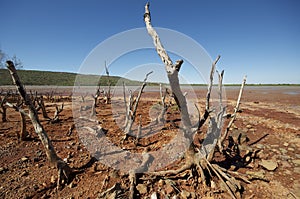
34	77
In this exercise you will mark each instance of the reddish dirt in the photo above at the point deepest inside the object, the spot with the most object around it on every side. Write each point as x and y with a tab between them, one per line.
270	113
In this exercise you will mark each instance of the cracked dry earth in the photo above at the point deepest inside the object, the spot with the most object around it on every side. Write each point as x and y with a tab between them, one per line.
269	113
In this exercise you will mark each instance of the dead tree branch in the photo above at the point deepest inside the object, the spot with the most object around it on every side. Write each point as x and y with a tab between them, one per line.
64	171
23	133
3	107
233	116
172	72
132	107
200	158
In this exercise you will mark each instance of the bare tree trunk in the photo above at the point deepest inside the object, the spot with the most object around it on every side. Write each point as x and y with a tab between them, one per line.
132	107
161	116
23	134
3	107
63	169
172	72
108	93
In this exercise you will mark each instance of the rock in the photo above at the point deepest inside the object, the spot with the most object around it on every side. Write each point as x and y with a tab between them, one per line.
24	173
269	165
283	151
256	174
142	188
259	146
193	195
153	195
248	126
213	184
161	183
53	179
296	162
185	194
169	189
24	159
286	144
291	149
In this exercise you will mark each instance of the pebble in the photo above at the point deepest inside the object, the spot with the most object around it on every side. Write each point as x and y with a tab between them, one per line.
24	159
169	189
296	162
142	188
283	151
259	174
291	149
153	195
25	173
53	179
269	165
185	194
286	144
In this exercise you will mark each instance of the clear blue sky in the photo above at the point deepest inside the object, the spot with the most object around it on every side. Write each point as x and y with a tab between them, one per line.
257	38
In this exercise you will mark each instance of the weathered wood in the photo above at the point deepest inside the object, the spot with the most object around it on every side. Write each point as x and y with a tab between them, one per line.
132	107
233	116
63	168
3	107
172	72
161	116
23	134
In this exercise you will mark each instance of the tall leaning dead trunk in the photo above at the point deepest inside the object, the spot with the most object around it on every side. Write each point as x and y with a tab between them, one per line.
63	169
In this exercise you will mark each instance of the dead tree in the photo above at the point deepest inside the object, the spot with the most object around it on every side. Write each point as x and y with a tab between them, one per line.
64	171
58	110
107	95
161	116
195	158
131	107
23	134
3	107
95	97
41	105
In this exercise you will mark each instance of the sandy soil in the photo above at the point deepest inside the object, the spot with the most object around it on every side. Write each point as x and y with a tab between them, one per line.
270	113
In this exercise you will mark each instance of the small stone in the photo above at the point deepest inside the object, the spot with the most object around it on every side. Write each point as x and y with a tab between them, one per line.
248	126
213	184
161	183
153	195
257	174
142	188
296	162
65	159
24	159
285	144
24	173
269	165
291	149
283	151
169	189
44	184
185	194
259	146
193	195
53	179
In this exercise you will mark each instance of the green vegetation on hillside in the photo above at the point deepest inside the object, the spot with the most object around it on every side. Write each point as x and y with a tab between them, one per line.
32	77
